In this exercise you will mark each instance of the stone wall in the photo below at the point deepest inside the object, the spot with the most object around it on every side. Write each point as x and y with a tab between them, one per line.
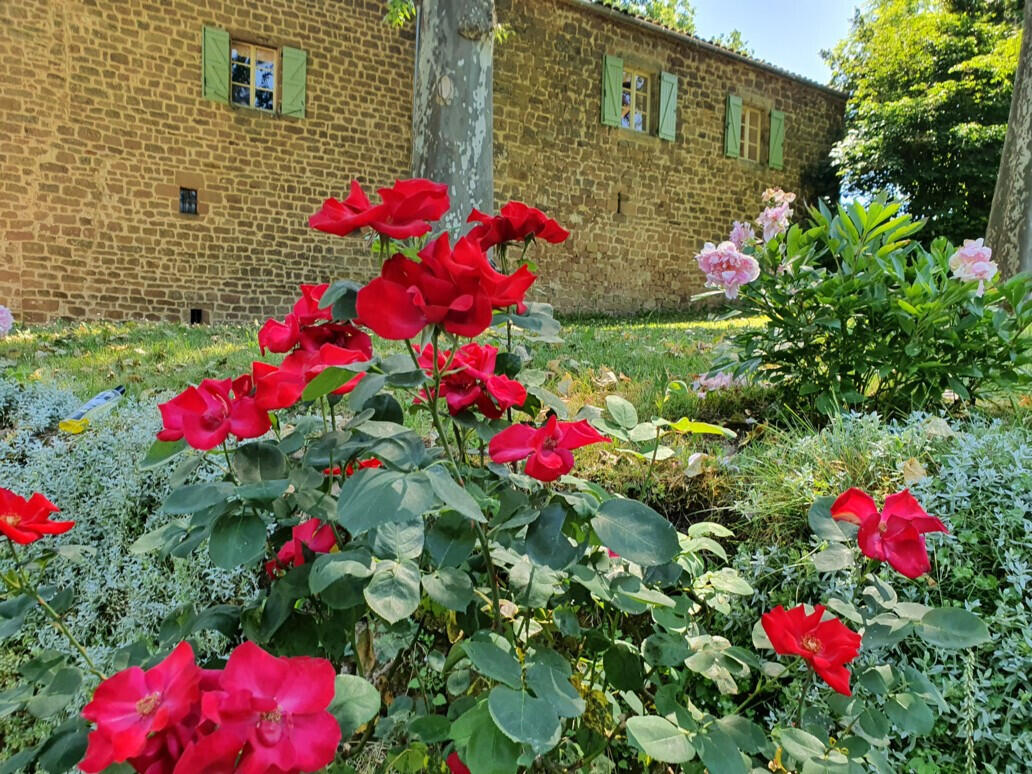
638	207
102	121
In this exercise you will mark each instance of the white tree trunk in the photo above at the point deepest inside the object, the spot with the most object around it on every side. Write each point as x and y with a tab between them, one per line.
1010	221
453	111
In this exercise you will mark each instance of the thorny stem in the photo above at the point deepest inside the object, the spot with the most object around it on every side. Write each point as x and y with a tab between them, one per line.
431	403
56	617
229	462
802	699
485	549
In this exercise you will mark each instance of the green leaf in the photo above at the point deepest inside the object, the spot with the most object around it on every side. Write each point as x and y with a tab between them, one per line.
355	702
548	675
161	452
449	587
65	747
375	496
57	693
12	614
747	735
482	746
450	540
636	532
909	713
491	657
398	539
717	749
685	425
836	556
952	628
623	667
801	745
262	491
821	522
453	495
261	461
332	378
236	538
524	718
660	739
197	497
623	412
546	544
368	387
393	591
430	728
330	568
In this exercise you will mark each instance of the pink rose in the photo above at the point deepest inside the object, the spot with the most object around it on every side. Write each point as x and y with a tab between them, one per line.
741	233
727	268
774	221
972	262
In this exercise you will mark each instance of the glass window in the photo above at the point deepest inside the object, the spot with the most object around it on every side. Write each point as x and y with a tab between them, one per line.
635	101
253	76
752	130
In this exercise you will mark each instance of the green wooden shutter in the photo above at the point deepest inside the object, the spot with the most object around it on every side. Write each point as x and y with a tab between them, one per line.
612	87
215	64
776	156
733	127
295	72
667	106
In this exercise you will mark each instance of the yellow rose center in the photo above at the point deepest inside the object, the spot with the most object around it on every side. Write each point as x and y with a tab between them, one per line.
811	643
148	704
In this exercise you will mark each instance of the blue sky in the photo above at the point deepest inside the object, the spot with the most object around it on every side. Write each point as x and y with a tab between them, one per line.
788	33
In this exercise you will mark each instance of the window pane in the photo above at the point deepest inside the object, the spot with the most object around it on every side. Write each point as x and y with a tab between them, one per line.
625	119
265	79
626	98
641	102
264	56
639	121
641	83
241	74
626	80
241	55
241	95
263	99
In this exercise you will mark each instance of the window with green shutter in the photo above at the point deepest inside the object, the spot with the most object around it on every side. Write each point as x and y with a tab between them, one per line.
776	157
612	88
295	75
667	106
733	126
215	64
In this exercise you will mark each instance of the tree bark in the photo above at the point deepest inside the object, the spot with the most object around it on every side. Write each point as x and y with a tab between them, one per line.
1010	221
453	95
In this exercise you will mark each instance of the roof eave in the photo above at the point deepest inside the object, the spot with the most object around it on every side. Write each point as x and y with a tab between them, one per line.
622	17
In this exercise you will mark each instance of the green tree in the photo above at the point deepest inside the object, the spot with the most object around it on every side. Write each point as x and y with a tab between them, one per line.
930	84
734	41
676	14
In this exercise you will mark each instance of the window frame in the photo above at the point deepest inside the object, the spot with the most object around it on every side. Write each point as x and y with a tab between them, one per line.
752	118
629	110
253	49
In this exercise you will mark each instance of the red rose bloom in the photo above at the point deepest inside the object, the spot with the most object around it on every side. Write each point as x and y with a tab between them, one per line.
133	704
454	288
277	336
471	380
350	469
896	535
311	534
516	223
546	449
26	521
455	764
827	646
276	710
206	414
403	213
281	386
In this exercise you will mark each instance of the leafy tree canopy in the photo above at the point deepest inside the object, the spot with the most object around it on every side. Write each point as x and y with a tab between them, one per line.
930	84
676	14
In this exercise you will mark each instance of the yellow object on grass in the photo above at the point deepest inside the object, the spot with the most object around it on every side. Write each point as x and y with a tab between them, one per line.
90	410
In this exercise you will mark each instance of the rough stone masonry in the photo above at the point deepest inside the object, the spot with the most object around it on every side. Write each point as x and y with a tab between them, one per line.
125	193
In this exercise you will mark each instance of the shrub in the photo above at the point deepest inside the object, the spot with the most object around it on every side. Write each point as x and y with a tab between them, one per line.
469	601
860	315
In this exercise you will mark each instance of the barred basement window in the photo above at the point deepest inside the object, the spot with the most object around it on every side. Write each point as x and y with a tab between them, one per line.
635	101
253	76
188	201
752	129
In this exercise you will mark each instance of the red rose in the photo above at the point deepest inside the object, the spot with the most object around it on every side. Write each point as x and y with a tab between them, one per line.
281	387
311	534
546	449
350	469
896	535
206	414
403	213
471	380
455	764
276	710
26	521
454	288
827	646
134	704
516	223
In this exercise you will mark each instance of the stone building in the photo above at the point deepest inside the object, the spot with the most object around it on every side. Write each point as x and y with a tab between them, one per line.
159	160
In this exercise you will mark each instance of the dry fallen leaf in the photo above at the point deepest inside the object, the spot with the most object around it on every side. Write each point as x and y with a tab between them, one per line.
605	378
913	471
698	463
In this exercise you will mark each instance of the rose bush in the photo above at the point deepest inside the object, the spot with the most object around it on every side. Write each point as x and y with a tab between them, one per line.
465	599
861	315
